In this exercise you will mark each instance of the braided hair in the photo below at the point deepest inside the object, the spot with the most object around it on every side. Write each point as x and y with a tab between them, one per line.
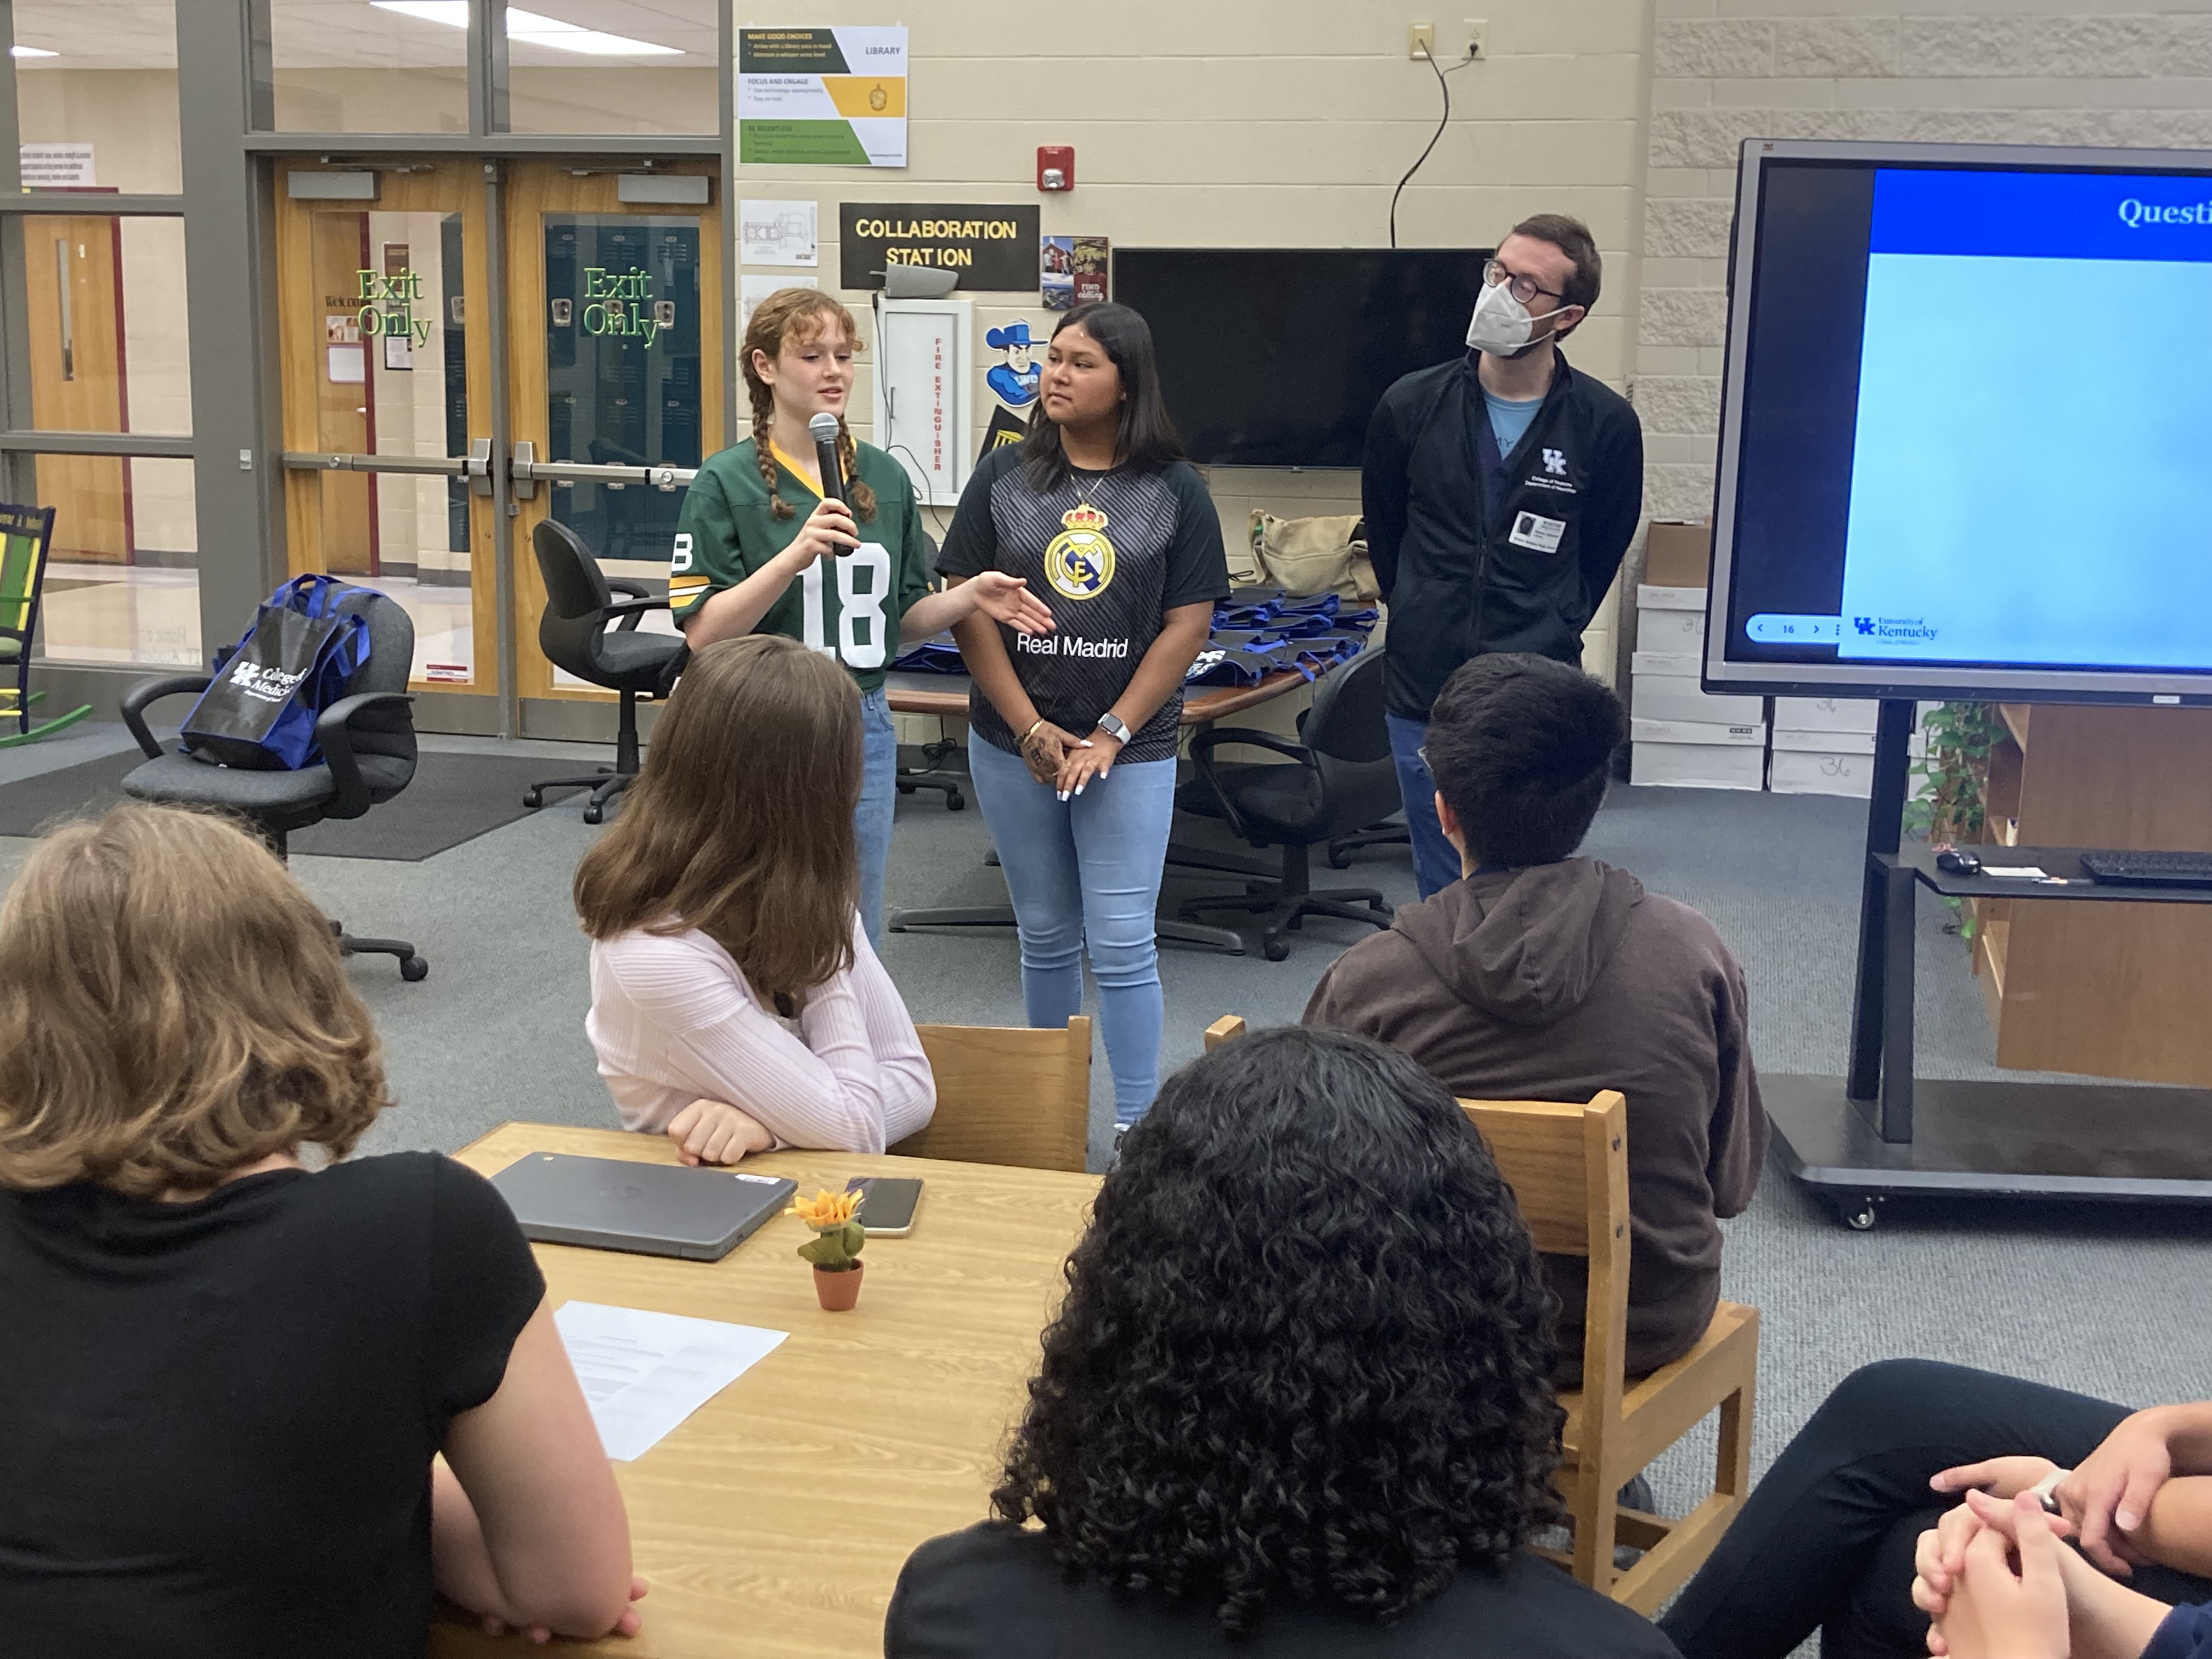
793	316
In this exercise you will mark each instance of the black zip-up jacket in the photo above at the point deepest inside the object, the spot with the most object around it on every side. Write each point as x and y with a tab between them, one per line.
1464	575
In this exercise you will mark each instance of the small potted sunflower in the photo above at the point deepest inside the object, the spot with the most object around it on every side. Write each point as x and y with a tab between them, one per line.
834	1249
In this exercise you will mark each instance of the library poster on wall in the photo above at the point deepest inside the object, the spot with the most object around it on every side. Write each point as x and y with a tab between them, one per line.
826	97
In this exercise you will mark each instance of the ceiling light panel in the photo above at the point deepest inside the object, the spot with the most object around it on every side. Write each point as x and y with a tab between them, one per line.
96	33
533	28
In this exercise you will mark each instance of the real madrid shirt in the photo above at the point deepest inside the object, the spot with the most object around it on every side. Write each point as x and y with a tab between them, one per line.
849	607
1110	553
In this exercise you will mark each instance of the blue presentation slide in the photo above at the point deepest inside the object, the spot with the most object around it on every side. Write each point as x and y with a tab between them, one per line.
2032	480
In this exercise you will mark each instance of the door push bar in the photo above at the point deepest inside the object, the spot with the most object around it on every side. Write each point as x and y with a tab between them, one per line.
526	470
450	466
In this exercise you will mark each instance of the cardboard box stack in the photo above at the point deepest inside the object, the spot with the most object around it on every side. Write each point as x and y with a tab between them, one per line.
1682	735
1823	746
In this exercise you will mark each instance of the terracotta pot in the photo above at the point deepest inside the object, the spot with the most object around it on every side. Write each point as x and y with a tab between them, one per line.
837	1291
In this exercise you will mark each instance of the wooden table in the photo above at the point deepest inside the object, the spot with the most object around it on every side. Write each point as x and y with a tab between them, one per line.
909	693
774	1520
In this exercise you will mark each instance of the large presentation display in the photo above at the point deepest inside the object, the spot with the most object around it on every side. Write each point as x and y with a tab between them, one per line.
1966	443
1278	356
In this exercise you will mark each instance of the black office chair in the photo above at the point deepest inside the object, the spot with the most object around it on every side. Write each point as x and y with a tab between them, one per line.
367	741
1344	781
1391	832
580	603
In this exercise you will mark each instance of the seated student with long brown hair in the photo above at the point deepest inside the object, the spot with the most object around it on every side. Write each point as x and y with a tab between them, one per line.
229	1371
736	1005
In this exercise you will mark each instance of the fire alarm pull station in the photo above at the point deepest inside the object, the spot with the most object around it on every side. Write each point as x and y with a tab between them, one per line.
1055	166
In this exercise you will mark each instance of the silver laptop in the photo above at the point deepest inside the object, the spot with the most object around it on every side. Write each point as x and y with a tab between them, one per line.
652	1209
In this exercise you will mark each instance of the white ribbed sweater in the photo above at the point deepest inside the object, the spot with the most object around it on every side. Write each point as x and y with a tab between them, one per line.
673	1020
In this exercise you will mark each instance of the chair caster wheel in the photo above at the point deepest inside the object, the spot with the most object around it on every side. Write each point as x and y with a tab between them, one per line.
1858	1214
533	797
413	967
1338	861
592	815
906	789
955	801
1275	948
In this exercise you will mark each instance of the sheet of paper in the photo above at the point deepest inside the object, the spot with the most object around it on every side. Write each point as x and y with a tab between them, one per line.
643	1373
2017	871
771	233
752	290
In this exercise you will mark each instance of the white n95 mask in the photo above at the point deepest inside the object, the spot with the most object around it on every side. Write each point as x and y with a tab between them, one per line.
1501	324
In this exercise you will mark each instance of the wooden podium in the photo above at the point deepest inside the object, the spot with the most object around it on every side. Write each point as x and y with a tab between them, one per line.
2111	990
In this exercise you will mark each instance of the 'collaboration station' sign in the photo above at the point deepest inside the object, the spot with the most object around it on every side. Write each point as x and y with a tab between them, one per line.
993	245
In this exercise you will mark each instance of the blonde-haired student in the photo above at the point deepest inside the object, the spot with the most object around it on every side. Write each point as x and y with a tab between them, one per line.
231	1370
736	1003
759	550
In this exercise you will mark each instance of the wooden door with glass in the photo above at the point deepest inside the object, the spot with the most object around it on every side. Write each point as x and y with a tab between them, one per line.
386	381
614	311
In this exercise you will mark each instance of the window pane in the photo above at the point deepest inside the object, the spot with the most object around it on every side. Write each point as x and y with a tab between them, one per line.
122	582
96	85
612	66
104	299
370	65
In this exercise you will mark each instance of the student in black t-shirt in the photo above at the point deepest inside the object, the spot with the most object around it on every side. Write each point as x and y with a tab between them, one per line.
227	1375
1297	1400
1075	753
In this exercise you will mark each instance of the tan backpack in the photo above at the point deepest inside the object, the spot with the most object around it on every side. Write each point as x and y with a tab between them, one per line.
1314	556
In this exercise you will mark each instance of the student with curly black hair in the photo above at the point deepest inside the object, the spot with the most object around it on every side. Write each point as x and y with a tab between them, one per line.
1297	1400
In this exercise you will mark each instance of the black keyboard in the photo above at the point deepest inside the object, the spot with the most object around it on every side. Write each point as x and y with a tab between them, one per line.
2150	869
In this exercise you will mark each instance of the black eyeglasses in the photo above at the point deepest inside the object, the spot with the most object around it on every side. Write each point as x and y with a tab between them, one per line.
1524	289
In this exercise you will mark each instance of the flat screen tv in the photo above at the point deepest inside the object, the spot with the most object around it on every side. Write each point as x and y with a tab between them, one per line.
1966	425
1278	356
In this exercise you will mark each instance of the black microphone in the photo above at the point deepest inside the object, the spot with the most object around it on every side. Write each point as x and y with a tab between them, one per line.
822	428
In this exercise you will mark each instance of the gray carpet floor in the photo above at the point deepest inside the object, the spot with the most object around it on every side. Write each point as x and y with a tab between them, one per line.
2106	1299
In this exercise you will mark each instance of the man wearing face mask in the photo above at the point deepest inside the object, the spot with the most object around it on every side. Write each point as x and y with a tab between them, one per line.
1500	492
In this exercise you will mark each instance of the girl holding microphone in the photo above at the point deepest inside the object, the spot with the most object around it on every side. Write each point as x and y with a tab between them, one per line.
849	579
1097	513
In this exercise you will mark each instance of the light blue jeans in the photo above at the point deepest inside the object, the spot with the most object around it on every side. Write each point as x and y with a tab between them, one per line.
1436	860
871	818
1085	872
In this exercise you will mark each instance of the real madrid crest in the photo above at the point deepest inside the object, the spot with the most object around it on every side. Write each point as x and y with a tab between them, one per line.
1080	561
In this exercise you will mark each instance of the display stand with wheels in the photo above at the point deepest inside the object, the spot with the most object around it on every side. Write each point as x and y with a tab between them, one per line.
1858	1139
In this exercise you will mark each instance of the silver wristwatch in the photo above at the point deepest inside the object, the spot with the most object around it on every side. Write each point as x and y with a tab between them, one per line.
1112	725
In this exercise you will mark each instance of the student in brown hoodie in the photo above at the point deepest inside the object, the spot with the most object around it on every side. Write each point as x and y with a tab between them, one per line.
1541	976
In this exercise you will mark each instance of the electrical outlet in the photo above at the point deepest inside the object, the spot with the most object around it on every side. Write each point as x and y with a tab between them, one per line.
1474	36
1420	40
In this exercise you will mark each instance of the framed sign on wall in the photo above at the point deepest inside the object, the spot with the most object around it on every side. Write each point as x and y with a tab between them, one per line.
924	371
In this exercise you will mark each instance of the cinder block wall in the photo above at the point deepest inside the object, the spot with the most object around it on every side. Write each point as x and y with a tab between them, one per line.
1960	71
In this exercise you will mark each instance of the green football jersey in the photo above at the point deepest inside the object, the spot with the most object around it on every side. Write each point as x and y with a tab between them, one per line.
849	607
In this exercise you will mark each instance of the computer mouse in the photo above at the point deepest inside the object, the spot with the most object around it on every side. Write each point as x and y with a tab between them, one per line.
1958	863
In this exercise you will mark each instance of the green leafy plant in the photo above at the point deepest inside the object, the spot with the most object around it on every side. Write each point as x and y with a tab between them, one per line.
838	1235
1951	802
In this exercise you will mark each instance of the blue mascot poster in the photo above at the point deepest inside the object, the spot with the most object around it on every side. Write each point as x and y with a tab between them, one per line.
1015	380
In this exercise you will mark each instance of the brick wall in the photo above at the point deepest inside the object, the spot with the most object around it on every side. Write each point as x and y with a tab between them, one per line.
1960	72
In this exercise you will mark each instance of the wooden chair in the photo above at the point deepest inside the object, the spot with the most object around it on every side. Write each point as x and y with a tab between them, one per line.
1568	1167
1008	1095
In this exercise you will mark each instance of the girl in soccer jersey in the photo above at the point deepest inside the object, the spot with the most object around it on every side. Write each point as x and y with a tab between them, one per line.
1073	733
752	555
